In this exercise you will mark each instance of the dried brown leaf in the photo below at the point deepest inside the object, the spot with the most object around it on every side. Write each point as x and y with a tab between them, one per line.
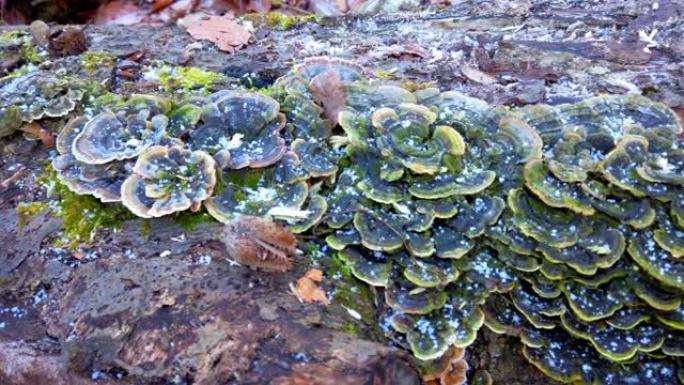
314	275
35	129
223	31
328	92
121	12
406	51
477	76
307	290
450	369
627	52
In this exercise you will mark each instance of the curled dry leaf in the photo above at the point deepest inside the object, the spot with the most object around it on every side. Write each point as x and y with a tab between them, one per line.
35	129
449	370
260	243
120	12
223	31
327	91
307	290
477	76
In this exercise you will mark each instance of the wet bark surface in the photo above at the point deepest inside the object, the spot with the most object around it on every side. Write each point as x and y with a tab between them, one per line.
167	308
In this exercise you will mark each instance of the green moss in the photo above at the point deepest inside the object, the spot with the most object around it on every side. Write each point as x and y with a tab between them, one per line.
94	61
279	21
352	328
350	292
145	227
28	209
189	220
386	74
266	91
83	215
312	250
415	86
174	78
9	37
25	47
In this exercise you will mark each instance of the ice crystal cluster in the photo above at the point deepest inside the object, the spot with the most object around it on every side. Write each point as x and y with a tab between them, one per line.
560	225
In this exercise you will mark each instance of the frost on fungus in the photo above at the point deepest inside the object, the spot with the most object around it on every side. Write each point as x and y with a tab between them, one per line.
122	132
100	180
29	98
241	129
560	225
167	180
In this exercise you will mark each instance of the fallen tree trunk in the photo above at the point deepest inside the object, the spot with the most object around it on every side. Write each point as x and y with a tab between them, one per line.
166	308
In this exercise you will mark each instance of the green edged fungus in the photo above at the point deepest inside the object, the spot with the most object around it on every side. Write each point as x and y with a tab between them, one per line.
261	192
568	360
669	236
502	318
370	267
620	168
655	296
553	192
167	180
430	273
430	336
409	301
34	96
376	233
343	237
615	343
468	182
241	129
450	243
317	159
674	318
462	213
627	318
405	134
591	304
600	250
657	262
544	224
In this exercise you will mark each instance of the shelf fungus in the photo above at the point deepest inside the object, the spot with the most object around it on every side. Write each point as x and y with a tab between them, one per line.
312	95
562	226
621	166
168	179
656	261
450	369
123	132
103	181
571	360
28	98
277	192
241	129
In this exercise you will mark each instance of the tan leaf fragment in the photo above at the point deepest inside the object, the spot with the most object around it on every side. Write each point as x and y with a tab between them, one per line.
306	289
228	35
327	91
477	76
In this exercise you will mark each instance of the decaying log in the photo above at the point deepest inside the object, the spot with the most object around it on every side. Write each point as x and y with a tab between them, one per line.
169	308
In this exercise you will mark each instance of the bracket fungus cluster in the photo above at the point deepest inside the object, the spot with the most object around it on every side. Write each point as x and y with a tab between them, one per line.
27	99
158	157
560	225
